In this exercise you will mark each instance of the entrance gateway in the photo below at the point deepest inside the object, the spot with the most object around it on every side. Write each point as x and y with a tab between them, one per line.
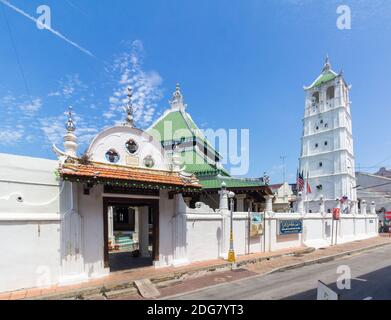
125	191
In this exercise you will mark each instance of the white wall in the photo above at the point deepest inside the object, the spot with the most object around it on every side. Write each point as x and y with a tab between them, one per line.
29	222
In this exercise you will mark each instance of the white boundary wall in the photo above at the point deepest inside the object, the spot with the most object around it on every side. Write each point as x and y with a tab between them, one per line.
207	232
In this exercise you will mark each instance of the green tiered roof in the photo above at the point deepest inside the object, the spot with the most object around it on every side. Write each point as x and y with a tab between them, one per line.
210	174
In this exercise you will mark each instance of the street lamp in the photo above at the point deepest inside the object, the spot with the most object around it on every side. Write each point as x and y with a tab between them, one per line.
231	252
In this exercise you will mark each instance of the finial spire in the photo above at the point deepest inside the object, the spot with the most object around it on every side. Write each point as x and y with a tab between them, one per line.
70	139
327	65
129	109
70	125
177	99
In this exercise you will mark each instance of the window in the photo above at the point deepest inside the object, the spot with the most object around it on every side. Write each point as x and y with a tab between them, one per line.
330	93
131	146
316	145
315	98
326	125
149	162
326	143
317	128
320	164
112	156
321	121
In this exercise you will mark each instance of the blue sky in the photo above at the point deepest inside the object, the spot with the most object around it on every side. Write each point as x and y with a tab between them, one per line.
241	64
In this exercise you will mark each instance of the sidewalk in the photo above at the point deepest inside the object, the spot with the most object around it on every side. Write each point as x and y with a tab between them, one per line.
259	263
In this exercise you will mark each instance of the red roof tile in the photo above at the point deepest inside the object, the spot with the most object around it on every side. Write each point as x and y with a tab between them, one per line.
107	172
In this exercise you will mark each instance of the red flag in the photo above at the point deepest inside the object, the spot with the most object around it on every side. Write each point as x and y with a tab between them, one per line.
308	184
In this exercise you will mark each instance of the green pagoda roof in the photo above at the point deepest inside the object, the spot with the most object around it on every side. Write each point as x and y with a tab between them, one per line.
326	76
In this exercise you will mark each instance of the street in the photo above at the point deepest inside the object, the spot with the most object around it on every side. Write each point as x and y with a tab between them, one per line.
370	272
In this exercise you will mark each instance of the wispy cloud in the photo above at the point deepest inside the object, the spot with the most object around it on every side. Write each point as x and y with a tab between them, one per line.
56	33
127	70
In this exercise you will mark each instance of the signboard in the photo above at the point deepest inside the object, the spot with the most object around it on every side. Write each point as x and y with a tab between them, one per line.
336	213
387	215
325	293
291	226
132	161
256	224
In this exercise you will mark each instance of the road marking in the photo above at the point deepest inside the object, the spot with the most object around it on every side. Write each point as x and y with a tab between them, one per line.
359	279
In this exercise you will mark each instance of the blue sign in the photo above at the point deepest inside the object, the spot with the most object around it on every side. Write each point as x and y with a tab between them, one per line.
291	226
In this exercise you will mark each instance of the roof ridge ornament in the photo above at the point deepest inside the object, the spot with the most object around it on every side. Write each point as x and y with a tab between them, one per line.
129	109
177	101
327	65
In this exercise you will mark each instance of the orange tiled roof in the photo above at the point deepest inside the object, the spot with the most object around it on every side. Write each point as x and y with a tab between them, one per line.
107	172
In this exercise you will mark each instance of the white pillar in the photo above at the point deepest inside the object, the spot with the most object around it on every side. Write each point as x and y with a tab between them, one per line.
110	217
322	209
300	203
269	203
240	202
363	207
143	232
223	199
136	225
373	208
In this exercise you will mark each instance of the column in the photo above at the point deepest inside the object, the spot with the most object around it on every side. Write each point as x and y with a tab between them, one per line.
110	217
269	203
363	207
373	208
322	209
136	224
143	232
223	193
240	202
300	203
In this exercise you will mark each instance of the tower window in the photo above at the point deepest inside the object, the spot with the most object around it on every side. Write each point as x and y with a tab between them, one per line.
330	93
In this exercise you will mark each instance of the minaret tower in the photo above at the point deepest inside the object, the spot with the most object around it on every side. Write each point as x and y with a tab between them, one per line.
70	139
327	156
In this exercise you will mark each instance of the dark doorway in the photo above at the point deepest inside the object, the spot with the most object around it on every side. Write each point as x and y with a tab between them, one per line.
131	232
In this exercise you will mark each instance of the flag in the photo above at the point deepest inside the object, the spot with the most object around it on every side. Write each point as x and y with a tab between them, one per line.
300	181
308	184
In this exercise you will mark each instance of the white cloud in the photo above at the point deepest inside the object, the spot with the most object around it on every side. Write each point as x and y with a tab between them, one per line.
128	71
31	107
10	136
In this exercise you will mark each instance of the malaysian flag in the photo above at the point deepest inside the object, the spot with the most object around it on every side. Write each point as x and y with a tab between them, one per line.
300	181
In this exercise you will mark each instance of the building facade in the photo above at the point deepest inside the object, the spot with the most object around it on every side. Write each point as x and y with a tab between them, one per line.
327	154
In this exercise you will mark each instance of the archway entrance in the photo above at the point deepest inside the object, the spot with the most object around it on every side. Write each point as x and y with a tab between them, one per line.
131	232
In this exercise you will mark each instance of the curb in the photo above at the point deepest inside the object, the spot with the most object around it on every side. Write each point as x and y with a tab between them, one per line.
110	290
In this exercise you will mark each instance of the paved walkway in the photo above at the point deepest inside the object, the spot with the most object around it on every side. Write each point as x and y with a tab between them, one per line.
255	263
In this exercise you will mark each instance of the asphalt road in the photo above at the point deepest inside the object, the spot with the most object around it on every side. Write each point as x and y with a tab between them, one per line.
370	280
